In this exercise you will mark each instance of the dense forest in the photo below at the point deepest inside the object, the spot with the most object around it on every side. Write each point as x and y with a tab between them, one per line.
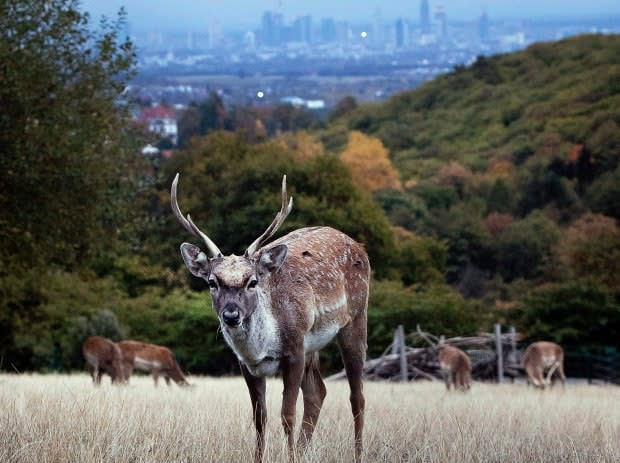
491	193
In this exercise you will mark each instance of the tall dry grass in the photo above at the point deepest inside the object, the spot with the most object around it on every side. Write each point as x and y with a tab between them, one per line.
58	418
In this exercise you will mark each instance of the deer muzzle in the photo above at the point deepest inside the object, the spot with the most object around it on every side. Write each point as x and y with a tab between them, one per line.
230	315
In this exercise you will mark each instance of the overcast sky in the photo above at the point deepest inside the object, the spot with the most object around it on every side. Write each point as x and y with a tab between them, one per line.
196	13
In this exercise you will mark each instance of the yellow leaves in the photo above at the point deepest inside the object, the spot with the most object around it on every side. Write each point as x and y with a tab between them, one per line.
368	161
500	169
303	145
590	247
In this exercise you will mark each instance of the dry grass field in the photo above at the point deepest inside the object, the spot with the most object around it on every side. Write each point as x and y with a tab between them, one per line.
63	418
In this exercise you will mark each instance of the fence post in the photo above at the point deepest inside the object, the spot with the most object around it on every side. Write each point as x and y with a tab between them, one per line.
500	355
400	336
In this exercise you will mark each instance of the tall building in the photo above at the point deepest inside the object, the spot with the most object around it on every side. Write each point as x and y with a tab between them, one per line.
302	29
483	26
271	28
328	30
442	19
401	33
378	30
425	17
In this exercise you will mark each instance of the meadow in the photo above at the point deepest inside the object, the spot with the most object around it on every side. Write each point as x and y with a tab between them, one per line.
58	418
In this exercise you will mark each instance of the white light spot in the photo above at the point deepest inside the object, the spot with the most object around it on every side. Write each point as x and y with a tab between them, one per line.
363	34
260	94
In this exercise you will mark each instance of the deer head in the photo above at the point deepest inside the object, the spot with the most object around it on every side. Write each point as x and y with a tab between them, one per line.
235	282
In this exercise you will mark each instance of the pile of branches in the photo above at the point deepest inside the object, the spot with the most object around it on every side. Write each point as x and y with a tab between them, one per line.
422	362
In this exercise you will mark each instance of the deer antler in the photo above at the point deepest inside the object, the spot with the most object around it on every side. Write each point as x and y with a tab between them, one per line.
285	209
188	223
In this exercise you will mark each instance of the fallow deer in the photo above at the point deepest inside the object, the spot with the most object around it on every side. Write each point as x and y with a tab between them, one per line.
543	356
455	367
102	356
159	360
279	304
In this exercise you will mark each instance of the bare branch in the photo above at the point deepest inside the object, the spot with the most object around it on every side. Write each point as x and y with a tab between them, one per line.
426	336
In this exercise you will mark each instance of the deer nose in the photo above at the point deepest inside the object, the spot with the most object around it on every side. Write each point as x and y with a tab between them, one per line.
230	315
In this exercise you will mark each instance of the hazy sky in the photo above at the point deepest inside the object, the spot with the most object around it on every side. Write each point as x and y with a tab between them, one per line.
197	13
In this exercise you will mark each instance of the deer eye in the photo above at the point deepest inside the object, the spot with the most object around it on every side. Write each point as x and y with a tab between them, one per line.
212	284
252	283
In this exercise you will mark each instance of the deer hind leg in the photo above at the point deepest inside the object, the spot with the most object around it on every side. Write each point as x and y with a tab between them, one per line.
167	379
352	344
536	376
127	371
562	375
257	387
550	373
156	377
446	378
91	369
314	392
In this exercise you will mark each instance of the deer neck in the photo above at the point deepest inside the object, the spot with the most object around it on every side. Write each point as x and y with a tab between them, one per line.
257	341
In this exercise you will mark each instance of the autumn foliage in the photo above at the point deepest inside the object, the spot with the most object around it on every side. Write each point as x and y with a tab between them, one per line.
369	163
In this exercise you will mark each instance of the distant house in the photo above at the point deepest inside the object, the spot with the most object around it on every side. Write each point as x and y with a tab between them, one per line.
161	120
300	102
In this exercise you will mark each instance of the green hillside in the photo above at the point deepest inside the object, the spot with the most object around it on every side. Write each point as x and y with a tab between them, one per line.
531	104
500	159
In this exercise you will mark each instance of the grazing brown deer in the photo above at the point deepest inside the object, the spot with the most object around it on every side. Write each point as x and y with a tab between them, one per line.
455	367
102	356
149	357
543	356
279	304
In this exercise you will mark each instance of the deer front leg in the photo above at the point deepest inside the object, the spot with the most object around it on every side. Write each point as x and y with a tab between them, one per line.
292	375
257	387
314	393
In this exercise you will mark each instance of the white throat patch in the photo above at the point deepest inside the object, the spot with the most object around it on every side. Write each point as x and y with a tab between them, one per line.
256	342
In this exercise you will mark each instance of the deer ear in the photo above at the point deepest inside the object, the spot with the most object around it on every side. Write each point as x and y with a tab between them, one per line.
272	259
197	261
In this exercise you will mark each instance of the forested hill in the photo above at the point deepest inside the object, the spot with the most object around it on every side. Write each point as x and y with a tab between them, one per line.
507	161
534	105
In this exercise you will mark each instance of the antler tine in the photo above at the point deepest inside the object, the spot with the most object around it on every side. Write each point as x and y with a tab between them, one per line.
188	223
285	209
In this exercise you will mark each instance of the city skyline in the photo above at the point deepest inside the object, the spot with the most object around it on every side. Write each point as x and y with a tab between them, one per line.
188	14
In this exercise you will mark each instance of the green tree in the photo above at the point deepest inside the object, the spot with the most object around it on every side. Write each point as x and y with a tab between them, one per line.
500	198
231	190
69	162
604	194
577	313
343	107
525	246
64	149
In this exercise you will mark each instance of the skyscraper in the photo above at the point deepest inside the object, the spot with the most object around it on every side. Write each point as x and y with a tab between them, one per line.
302	29
483	26
425	17
378	29
401	32
328	30
271	28
442	19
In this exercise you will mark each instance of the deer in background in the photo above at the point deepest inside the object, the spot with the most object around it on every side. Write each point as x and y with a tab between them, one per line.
279	304
543	356
159	360
455	367
103	356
